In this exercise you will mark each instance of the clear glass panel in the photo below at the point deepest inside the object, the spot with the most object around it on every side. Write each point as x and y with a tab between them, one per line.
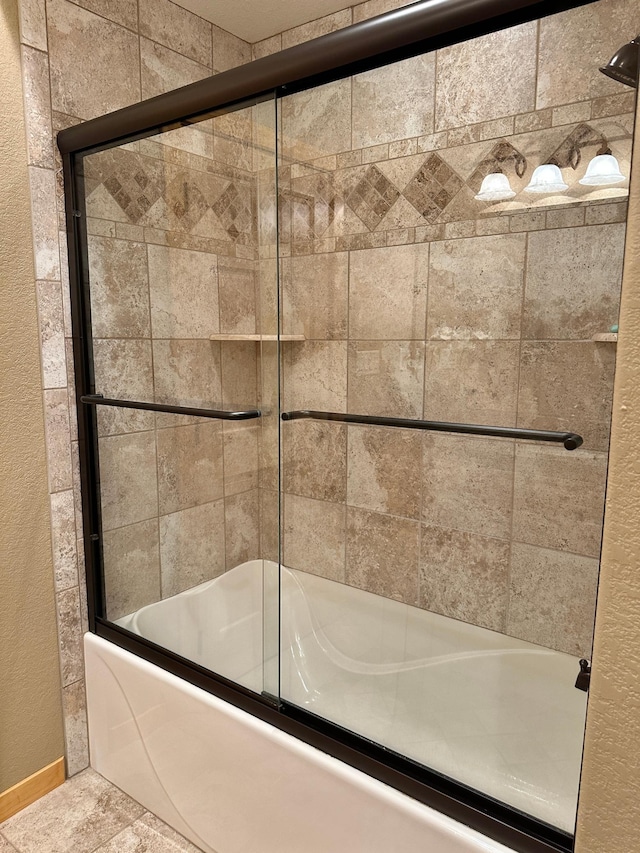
179	296
439	588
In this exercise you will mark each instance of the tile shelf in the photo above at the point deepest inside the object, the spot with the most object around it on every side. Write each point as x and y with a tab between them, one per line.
256	338
606	337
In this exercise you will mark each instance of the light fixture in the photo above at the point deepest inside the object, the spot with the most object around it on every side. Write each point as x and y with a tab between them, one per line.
623	65
546	179
603	169
495	187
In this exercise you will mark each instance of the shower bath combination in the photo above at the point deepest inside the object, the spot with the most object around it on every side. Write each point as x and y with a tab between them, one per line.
344	390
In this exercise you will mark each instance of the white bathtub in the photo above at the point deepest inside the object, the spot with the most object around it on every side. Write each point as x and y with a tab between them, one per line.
499	714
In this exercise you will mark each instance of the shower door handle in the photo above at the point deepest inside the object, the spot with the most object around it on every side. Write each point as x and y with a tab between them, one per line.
217	414
570	440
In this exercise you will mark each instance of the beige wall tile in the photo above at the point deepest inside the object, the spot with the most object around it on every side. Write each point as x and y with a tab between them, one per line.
613	105
471	382
123	369
468	484
314	460
45	227
538	120
119	287
559	498
89	83
131	568
123	12
52	344
386	378
239	374
70	636
552	599
573	282
241	460
316	28
232	141
269	525
394	102
384	470
314	536
315	375
575	43
487	77
190	470
183	287
568	385
187	372
267	46
175	27
569	218
373	8
317	123
163	69
57	434
388	293
229	51
237	282
382	554
63	537
475	288
76	737
464	576
242	528
601	214
128	479
37	103
33	23
572	113
192	547
314	296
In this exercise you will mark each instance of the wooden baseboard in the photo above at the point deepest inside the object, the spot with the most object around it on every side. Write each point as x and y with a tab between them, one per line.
31	789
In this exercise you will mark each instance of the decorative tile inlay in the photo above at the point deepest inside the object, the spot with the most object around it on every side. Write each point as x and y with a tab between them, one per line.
186	201
372	197
433	187
502	156
133	188
234	209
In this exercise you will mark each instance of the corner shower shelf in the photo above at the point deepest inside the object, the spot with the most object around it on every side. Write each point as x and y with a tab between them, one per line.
256	338
606	337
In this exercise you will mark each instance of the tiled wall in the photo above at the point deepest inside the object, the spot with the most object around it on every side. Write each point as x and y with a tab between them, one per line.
416	300
172	258
81	60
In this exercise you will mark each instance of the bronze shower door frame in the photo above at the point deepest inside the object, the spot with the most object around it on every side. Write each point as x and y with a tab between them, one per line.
419	28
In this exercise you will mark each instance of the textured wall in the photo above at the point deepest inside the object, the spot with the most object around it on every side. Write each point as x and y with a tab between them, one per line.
30	711
78	63
609	807
417	300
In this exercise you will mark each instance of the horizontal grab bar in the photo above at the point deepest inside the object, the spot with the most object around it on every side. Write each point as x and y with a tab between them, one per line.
99	400
571	440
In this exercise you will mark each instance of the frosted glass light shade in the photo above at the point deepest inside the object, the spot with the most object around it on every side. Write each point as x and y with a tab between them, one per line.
546	179
495	187
603	169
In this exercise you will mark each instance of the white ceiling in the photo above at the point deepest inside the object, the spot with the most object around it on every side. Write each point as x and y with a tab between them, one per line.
254	20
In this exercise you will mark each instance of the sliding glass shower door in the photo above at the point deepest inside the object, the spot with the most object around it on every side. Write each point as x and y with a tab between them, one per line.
447	375
181	294
346	371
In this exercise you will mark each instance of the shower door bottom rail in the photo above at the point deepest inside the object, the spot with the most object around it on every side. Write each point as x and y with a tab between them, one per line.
217	414
570	440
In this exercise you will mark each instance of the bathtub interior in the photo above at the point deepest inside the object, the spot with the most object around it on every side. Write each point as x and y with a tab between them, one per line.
499	714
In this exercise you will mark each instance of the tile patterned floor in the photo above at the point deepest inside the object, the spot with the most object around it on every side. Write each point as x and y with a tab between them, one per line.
89	815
